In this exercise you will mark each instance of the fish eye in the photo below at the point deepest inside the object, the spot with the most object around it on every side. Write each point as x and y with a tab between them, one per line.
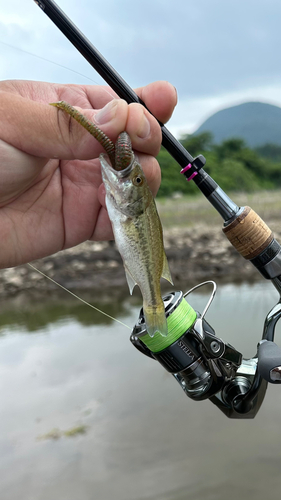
137	180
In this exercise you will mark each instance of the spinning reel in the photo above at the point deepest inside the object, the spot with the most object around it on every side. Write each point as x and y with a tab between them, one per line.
204	365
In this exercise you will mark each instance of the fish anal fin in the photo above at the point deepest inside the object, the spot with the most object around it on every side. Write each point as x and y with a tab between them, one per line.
130	280
166	274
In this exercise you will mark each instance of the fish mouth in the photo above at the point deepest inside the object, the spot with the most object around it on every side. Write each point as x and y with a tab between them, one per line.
126	171
112	175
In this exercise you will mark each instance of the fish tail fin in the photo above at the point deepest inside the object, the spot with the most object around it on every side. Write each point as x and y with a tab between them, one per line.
156	320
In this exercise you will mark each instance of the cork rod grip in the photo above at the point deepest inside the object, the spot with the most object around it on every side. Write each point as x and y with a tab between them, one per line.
249	234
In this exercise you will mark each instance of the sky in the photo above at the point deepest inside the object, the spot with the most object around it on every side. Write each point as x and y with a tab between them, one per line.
217	53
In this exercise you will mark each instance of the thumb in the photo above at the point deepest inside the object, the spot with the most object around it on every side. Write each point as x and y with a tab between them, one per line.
47	132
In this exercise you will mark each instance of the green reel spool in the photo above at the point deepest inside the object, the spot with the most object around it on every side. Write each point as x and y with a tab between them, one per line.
180	317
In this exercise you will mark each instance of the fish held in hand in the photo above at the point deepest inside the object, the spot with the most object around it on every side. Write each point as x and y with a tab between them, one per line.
139	237
136	224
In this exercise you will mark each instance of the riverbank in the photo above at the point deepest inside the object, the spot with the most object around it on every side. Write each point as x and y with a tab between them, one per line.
196	252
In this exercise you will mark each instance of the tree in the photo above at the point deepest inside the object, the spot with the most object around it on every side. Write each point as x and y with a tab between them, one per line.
270	152
233	165
196	144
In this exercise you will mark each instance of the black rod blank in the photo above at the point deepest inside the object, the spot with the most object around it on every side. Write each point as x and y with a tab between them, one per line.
108	73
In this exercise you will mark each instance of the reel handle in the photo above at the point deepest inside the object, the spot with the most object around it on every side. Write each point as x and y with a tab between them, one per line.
269	361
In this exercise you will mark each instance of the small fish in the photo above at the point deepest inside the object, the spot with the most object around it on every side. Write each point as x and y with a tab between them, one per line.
135	220
139	237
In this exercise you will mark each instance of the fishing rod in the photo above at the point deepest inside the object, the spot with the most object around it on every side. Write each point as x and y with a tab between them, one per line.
204	365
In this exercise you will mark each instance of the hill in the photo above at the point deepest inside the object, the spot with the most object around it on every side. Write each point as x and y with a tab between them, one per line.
255	122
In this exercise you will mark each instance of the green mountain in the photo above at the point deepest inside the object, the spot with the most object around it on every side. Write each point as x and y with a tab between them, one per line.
255	122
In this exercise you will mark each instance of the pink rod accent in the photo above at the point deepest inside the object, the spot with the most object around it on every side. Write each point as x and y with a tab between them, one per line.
185	169
192	176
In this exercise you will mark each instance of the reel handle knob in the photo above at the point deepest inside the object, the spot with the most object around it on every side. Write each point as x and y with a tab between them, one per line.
269	361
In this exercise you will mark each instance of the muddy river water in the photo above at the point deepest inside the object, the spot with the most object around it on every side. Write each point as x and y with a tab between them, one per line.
85	416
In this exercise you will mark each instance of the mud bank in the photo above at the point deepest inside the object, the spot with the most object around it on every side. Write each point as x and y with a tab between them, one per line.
194	255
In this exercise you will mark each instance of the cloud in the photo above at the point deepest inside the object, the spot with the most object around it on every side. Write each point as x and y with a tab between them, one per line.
208	50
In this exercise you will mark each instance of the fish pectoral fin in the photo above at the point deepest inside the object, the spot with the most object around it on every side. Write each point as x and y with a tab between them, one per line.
130	280
166	271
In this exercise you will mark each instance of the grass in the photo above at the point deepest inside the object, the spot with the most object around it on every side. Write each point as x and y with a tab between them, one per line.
196	210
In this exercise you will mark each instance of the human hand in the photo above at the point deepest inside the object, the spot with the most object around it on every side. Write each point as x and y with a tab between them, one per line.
51	191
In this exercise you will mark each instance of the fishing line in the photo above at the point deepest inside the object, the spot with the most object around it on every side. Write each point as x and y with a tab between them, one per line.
76	296
30	265
57	64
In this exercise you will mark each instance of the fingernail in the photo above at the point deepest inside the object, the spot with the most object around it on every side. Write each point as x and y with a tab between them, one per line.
144	129
176	93
107	113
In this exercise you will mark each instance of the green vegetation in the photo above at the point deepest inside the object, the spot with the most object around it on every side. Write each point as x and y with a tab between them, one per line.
57	433
75	431
232	164
270	152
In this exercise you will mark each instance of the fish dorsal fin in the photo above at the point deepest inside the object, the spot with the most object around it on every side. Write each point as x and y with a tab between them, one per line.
130	280
166	271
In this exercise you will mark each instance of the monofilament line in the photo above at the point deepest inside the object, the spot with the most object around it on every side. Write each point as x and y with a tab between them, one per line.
76	296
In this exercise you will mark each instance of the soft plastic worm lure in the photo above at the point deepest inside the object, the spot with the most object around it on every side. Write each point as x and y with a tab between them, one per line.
120	154
123	151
